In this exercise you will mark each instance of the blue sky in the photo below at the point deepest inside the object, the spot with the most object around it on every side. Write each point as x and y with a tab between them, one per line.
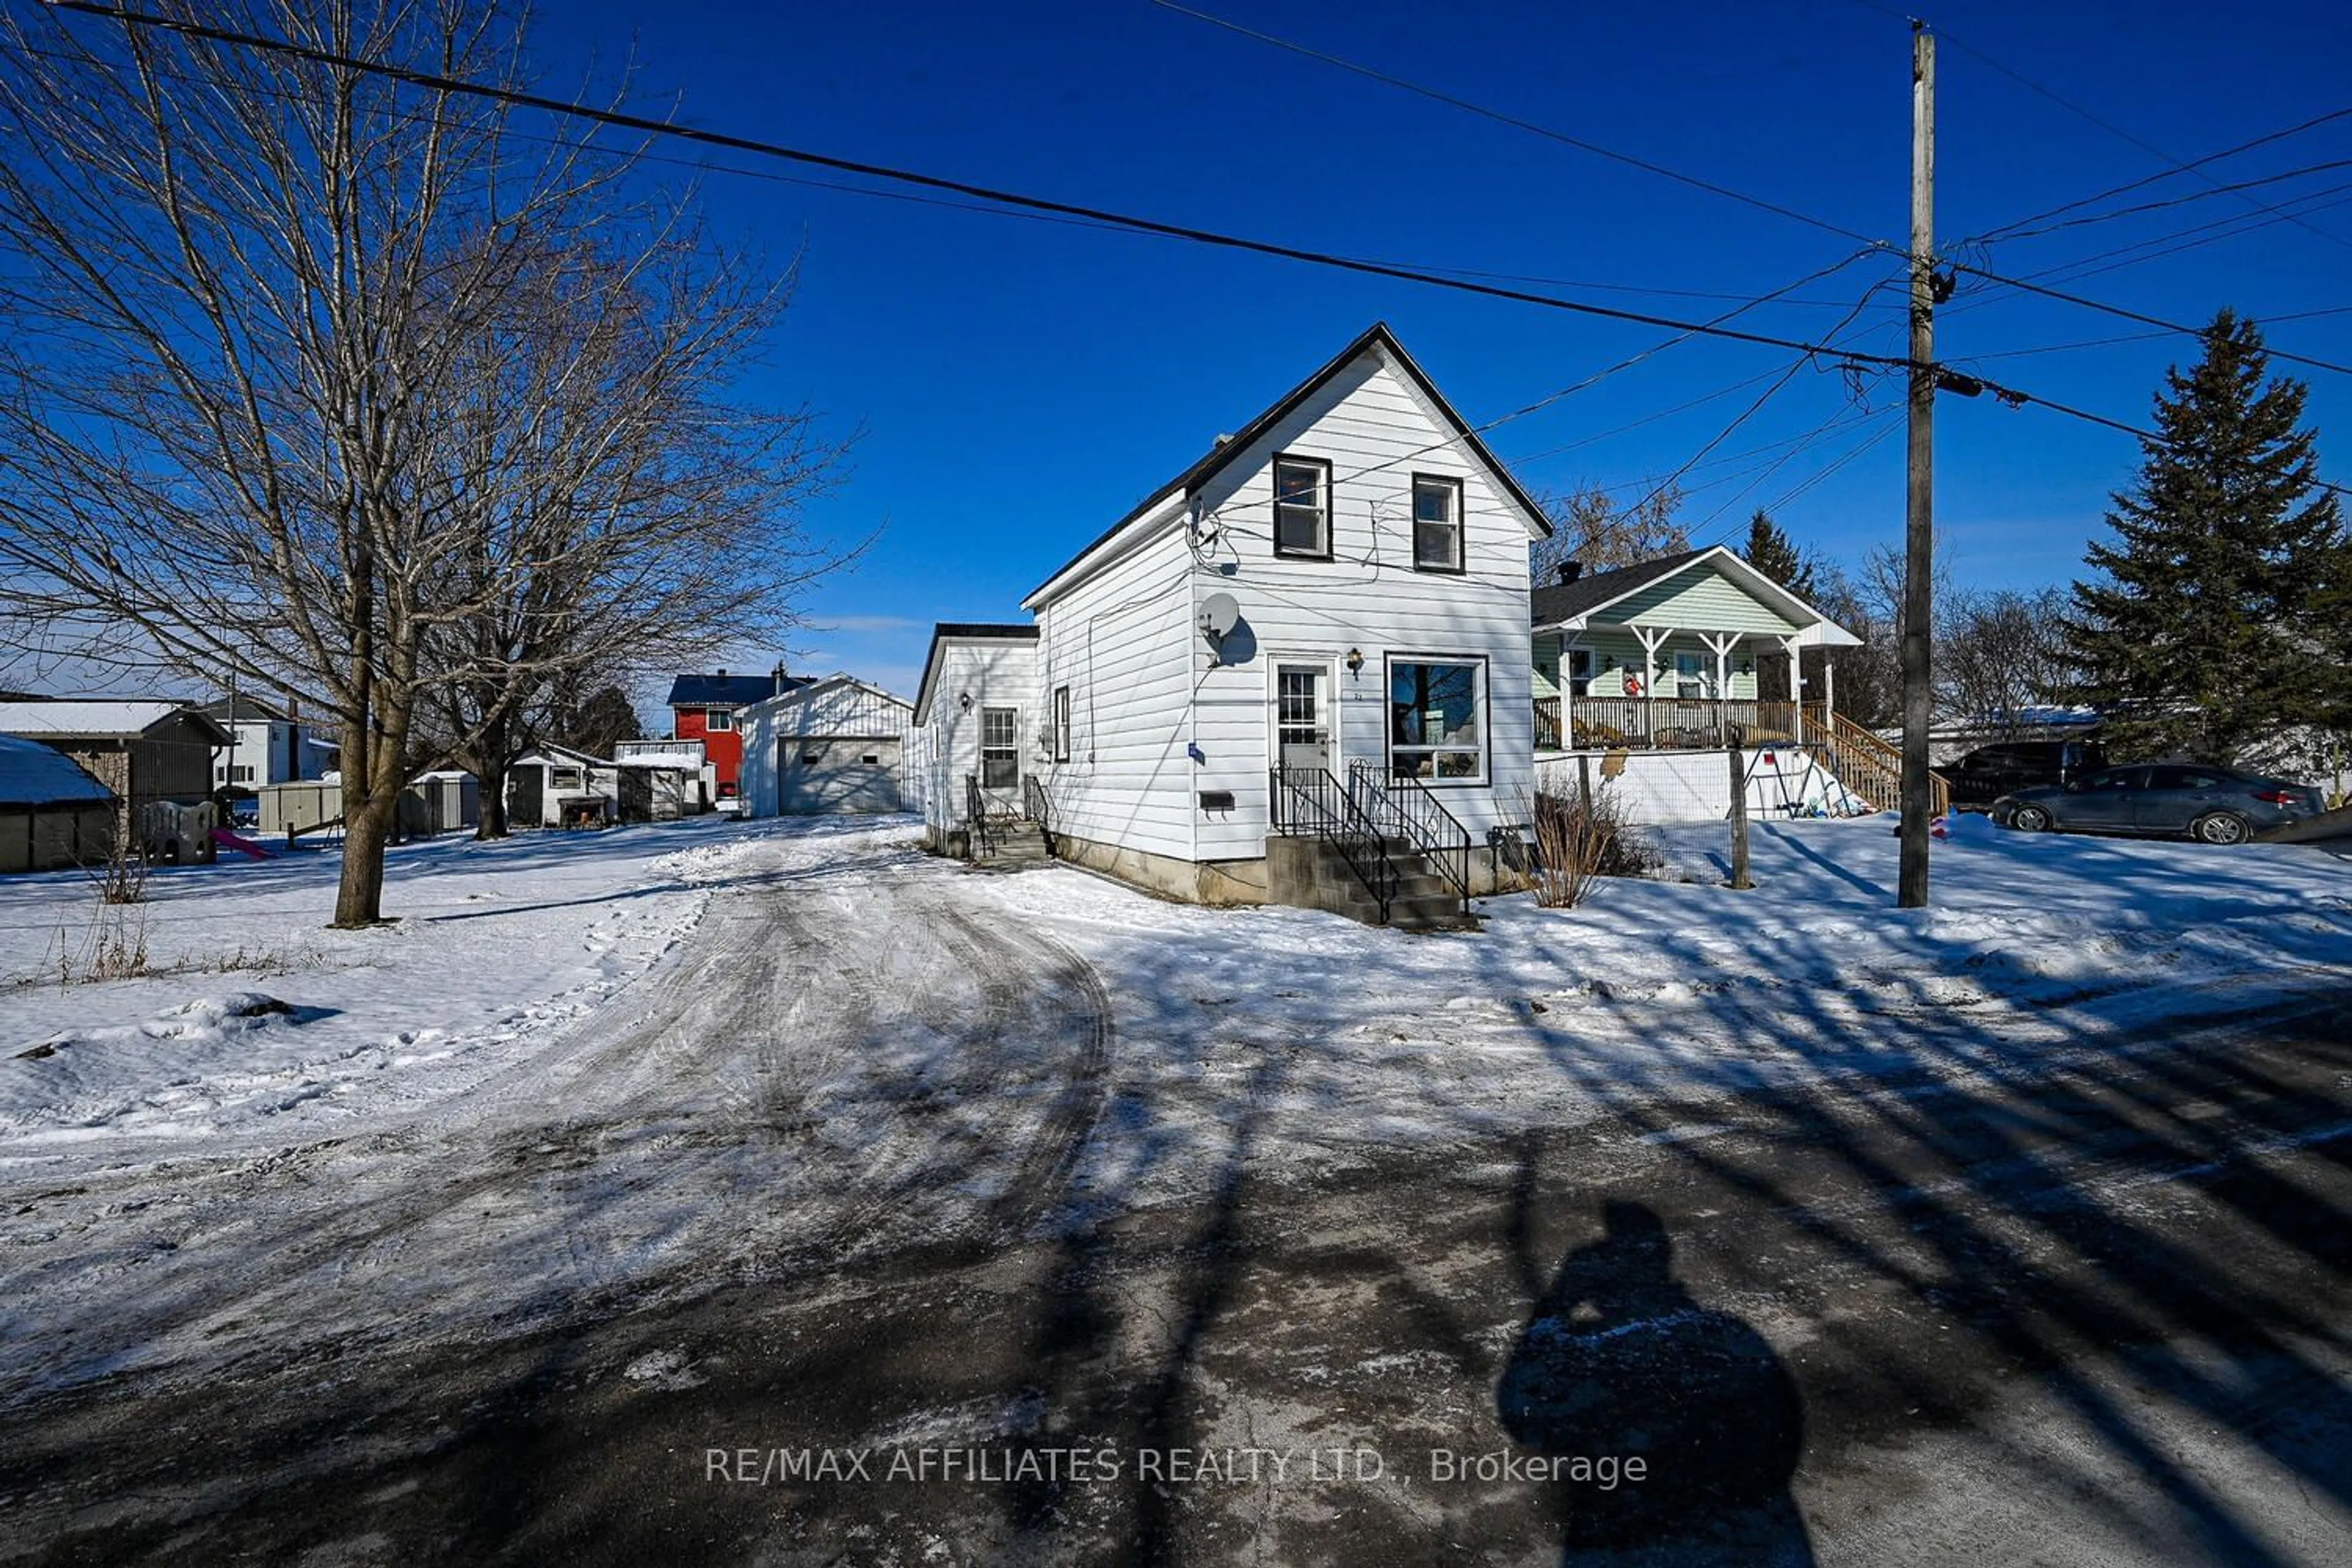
1021	383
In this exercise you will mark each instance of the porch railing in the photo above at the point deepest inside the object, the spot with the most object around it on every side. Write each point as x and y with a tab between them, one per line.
1037	805
1399	805
979	841
1704	724
1309	803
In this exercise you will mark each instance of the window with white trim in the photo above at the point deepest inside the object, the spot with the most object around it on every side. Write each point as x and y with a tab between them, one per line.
1579	672
718	720
1437	719
1060	723
1000	752
1302	507
1436	523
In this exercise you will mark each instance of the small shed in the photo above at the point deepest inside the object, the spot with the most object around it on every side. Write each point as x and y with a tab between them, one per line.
555	786
833	745
52	812
658	786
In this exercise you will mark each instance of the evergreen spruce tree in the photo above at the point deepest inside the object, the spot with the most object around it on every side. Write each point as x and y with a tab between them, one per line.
1770	550
2204	629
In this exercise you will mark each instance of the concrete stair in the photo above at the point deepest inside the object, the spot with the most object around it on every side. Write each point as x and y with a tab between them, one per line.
1014	845
1424	899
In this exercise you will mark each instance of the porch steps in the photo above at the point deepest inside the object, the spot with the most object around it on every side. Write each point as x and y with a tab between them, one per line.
1013	846
1425	899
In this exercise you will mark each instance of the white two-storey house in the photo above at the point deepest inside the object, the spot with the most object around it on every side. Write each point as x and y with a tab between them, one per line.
1320	629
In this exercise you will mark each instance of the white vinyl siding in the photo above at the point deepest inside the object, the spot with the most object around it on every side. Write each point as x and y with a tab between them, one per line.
1122	641
995	672
1373	427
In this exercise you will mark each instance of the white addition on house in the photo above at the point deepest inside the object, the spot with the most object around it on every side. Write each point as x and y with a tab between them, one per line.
829	745
977	702
1317	633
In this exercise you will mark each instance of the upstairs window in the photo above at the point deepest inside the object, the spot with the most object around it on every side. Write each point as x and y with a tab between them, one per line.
1000	757
718	720
1436	524
1302	508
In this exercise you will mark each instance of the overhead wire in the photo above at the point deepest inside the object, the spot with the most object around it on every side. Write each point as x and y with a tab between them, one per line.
646	125
2128	186
1469	105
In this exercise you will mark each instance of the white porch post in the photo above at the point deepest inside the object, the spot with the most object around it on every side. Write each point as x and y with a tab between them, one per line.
1829	686
1653	639
1721	644
1796	679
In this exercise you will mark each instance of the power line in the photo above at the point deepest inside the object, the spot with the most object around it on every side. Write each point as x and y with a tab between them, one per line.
2163	174
2139	316
2015	232
1469	107
646	126
2264	320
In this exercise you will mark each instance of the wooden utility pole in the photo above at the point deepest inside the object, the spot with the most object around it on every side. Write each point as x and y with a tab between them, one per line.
1919	510
1739	877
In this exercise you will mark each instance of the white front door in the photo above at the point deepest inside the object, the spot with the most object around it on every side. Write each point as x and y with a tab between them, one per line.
1303	720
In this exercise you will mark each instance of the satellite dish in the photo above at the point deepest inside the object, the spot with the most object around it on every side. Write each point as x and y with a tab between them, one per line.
1219	616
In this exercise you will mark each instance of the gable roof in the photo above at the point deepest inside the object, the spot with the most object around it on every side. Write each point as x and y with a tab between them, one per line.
811	689
561	756
962	631
1565	601
101	719
246	710
724	690
35	774
1579	601
1210	463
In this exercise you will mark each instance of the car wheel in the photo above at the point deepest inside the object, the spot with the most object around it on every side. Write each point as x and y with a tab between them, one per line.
2030	819
2220	827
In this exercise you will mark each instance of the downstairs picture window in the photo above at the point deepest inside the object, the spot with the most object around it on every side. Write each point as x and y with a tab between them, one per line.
1000	755
1437	719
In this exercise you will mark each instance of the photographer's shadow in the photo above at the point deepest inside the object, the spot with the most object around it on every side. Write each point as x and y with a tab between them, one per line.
1619	1362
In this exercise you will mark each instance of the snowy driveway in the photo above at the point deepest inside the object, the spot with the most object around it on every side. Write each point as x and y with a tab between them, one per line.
841	1058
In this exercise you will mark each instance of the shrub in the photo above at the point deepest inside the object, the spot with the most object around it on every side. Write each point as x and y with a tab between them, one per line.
1581	837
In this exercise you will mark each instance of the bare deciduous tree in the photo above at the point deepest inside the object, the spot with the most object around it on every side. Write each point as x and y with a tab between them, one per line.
1590	529
2001	653
253	293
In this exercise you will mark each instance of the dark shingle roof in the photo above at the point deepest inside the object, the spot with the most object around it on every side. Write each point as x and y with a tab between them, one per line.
1565	601
982	629
723	690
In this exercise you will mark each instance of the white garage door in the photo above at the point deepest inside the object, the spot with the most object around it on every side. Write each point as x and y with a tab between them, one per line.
832	776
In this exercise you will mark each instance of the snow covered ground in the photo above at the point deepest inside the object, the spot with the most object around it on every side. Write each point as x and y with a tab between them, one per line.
473	1122
2036	947
494	942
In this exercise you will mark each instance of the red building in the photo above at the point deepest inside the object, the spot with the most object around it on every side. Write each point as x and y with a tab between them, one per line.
703	708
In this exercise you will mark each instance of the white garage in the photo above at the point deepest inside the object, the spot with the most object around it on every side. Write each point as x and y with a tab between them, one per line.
834	745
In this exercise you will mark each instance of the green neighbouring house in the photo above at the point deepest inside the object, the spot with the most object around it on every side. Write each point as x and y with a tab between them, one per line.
1665	655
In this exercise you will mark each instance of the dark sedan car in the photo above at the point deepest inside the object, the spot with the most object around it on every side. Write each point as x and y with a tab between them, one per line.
2216	805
